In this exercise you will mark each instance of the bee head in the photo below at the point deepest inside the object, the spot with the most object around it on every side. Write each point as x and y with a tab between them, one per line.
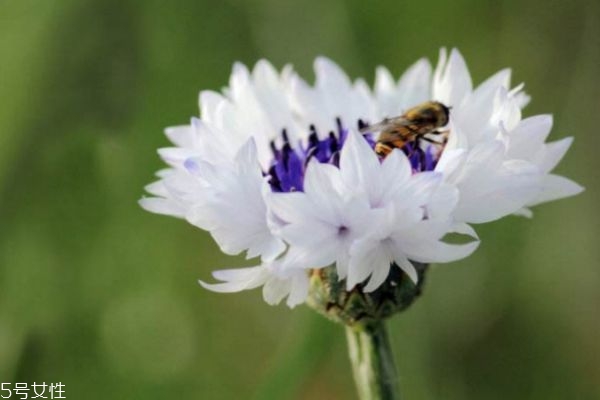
443	113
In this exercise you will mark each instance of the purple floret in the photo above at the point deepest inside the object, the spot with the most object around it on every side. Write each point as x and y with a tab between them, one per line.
286	173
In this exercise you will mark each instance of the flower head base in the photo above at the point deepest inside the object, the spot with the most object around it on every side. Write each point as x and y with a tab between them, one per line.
279	169
330	297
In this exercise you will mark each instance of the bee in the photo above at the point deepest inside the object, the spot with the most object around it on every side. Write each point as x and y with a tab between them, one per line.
411	127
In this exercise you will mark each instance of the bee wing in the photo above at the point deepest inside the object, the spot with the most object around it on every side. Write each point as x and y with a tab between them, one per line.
386	125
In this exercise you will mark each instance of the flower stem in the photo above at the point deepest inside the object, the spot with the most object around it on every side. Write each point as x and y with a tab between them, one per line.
372	362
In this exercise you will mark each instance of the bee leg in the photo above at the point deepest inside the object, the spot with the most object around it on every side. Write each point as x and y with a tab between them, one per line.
426	139
429	140
444	135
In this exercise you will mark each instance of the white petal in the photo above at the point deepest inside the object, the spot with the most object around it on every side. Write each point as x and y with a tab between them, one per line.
522	99
311	257
238	274
490	85
473	116
406	266
272	96
419	189
299	289
442	202
394	173
457	138
385	92
412	89
453	81
212	144
335	90
163	206
464	229
441	252
380	267
291	207
322	183
310	106
395	167
491	188
233	207
360	167
524	212
430	250
182	136
210	102
366	257
528	137
507	112
450	161
414	85
330	77
513	186
176	156
268	247
275	290
439	71
309	233
378	277
556	187
549	157
342	262
358	162
237	280
239	78
384	81
157	189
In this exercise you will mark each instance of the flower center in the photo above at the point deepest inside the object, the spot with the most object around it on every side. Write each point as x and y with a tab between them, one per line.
286	173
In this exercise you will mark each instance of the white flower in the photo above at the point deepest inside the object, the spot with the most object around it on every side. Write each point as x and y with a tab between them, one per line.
276	168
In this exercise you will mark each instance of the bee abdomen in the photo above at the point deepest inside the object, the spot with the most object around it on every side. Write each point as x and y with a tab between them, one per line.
383	149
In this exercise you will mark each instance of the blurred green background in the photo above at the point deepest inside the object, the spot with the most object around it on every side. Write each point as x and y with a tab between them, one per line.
100	295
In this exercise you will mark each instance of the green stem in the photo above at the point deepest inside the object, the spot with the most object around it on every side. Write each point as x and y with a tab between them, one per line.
372	362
